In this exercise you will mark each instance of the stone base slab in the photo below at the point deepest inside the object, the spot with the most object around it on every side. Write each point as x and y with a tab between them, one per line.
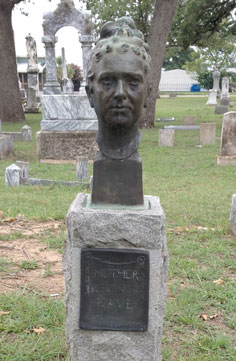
119	229
66	145
226	160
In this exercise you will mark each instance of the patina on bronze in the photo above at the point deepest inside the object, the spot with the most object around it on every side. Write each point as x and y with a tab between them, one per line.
114	289
117	89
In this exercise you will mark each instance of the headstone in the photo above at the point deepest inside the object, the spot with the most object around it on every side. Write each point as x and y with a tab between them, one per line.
216	82
24	166
212	94
228	140
221	109
189	120
172	95
225	87
166	137
33	73
207	133
116	259
82	168
69	87
6	145
26	132
12	175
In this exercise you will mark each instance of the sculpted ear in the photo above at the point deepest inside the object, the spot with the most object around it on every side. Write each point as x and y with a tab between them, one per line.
89	91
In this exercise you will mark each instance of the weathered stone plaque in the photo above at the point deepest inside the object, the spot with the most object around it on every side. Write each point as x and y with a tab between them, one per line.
114	289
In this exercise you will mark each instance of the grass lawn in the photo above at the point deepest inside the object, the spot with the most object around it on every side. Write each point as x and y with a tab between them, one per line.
200	322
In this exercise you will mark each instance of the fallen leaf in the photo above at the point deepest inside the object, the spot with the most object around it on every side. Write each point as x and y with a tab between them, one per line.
36	330
184	284
9	220
4	313
203	316
1	215
219	282
213	316
37	188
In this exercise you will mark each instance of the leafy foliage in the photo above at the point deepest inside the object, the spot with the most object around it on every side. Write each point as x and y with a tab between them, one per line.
195	21
141	11
176	57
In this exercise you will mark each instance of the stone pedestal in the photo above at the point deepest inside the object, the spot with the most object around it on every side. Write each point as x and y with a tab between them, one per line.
66	145
166	137
127	229
207	133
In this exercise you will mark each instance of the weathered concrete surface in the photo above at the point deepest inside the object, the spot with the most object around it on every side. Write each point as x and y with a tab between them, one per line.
228	135
127	229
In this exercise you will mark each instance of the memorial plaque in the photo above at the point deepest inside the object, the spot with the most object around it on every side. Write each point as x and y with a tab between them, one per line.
114	289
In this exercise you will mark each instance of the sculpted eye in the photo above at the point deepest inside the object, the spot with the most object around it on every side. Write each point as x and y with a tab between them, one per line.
108	81
133	83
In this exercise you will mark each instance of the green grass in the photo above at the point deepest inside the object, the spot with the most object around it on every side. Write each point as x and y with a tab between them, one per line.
196	196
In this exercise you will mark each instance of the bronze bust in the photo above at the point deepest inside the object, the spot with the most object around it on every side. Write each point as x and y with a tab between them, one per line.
117	88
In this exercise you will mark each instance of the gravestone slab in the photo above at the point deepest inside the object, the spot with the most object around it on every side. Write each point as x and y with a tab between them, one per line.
212	95
6	147
82	168
189	120
140	233
12	175
207	133
170	119
221	109
228	140
166	137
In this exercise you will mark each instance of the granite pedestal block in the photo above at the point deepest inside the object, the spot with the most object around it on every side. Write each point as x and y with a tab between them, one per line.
221	109
66	145
127	229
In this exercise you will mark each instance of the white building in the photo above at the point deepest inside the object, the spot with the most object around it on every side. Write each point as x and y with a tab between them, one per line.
176	80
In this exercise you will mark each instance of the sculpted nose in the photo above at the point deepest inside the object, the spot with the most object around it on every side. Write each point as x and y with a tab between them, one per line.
120	91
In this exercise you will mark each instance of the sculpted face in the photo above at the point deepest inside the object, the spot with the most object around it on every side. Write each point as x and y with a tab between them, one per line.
118	90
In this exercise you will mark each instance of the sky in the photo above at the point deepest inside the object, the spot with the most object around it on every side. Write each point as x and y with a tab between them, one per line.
68	37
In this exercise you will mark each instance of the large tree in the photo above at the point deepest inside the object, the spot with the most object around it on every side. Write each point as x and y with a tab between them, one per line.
10	102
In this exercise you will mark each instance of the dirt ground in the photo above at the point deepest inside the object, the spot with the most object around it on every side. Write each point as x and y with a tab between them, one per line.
48	276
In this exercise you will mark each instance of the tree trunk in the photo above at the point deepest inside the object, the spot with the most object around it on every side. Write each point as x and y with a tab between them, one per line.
160	26
10	103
